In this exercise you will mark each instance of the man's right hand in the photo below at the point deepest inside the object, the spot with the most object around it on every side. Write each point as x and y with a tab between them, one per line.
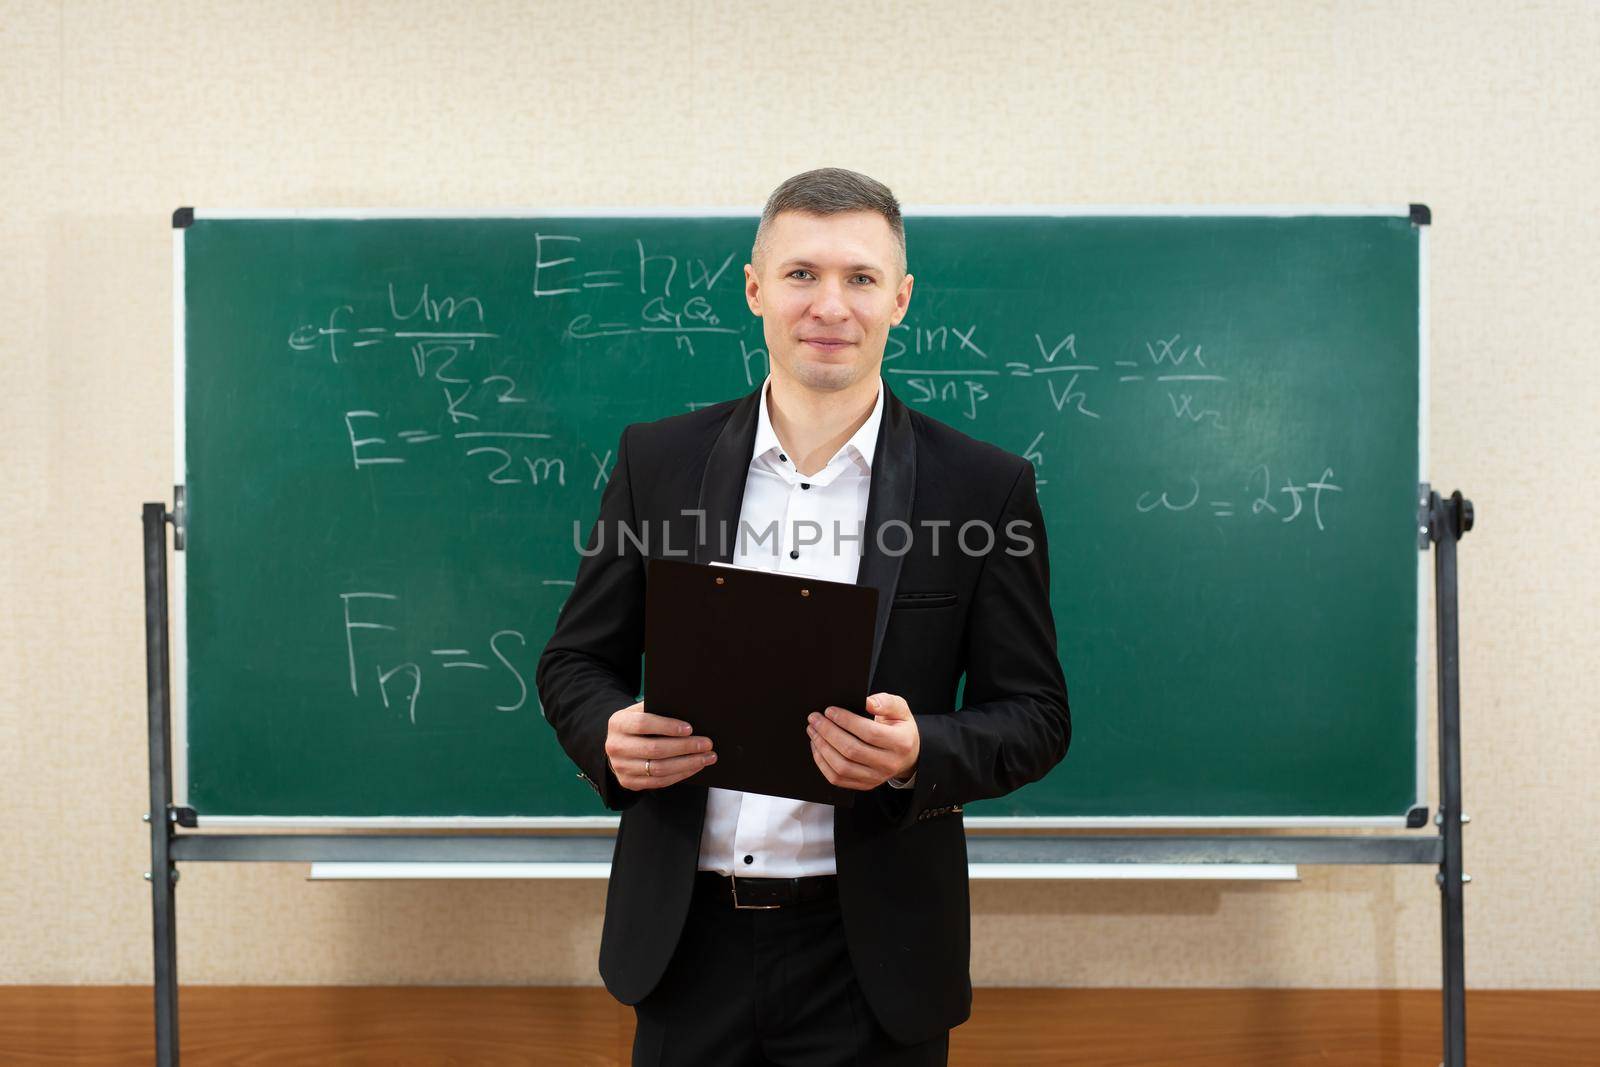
634	736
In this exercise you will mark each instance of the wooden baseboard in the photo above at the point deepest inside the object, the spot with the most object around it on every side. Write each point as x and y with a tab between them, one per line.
555	1027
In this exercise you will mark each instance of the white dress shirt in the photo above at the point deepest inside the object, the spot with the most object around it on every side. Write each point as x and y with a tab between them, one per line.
752	834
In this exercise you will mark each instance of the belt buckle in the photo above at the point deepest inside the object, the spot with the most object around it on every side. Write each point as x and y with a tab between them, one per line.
733	883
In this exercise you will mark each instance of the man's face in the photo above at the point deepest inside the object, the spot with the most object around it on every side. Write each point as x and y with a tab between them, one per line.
829	288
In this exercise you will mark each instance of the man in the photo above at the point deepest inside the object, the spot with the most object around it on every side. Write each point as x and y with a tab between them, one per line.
748	929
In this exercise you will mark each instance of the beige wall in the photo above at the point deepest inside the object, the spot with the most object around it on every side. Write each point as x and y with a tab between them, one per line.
115	114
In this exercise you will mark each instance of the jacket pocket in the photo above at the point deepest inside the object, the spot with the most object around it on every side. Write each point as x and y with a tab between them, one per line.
946	812
920	601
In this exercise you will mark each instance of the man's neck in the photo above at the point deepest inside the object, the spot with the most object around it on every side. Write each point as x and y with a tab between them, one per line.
812	426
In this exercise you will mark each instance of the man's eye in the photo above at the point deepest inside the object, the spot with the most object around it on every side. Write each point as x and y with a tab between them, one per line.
864	277
798	270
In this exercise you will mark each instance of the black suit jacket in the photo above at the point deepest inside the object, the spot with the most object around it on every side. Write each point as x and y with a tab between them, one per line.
901	854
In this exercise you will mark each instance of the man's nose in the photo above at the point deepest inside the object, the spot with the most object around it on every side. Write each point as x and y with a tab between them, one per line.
829	304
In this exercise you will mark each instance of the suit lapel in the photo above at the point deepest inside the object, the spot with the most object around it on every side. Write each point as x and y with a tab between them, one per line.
722	484
894	479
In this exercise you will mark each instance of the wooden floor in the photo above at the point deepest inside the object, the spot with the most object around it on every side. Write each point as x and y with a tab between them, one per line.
350	1026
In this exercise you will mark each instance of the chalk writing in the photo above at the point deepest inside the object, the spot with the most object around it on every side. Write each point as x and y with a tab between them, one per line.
400	684
1185	494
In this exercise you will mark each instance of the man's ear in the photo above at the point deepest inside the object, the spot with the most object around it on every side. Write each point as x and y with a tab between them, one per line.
752	290
902	299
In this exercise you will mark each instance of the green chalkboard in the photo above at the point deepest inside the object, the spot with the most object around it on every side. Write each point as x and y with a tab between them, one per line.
395	430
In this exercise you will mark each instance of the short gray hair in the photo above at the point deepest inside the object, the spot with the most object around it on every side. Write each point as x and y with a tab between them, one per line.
831	191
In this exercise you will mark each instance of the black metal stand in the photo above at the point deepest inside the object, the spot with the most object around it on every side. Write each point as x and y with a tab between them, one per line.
1446	521
162	874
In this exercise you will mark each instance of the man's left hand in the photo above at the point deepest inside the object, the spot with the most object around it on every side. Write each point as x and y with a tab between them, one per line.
856	752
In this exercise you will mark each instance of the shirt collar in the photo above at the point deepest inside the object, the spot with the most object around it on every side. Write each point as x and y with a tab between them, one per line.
863	443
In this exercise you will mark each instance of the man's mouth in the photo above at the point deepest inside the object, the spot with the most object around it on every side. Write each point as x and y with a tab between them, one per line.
827	344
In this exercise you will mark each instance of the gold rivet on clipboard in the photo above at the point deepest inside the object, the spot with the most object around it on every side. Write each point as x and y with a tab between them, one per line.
719	581
805	592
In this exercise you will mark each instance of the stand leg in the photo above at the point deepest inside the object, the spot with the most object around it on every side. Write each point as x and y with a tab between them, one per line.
1449	520
162	875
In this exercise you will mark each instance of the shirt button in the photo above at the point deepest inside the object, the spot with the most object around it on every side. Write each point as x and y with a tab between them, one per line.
749	859
794	553
783	457
805	485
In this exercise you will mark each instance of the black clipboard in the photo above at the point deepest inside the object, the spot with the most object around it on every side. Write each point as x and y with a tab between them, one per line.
744	656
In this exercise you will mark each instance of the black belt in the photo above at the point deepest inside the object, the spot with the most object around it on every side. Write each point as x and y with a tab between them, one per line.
764	894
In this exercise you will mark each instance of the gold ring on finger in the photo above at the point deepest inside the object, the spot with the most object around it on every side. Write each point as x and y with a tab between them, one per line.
647	773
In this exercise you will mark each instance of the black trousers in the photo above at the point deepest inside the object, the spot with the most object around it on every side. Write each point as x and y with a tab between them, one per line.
764	989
